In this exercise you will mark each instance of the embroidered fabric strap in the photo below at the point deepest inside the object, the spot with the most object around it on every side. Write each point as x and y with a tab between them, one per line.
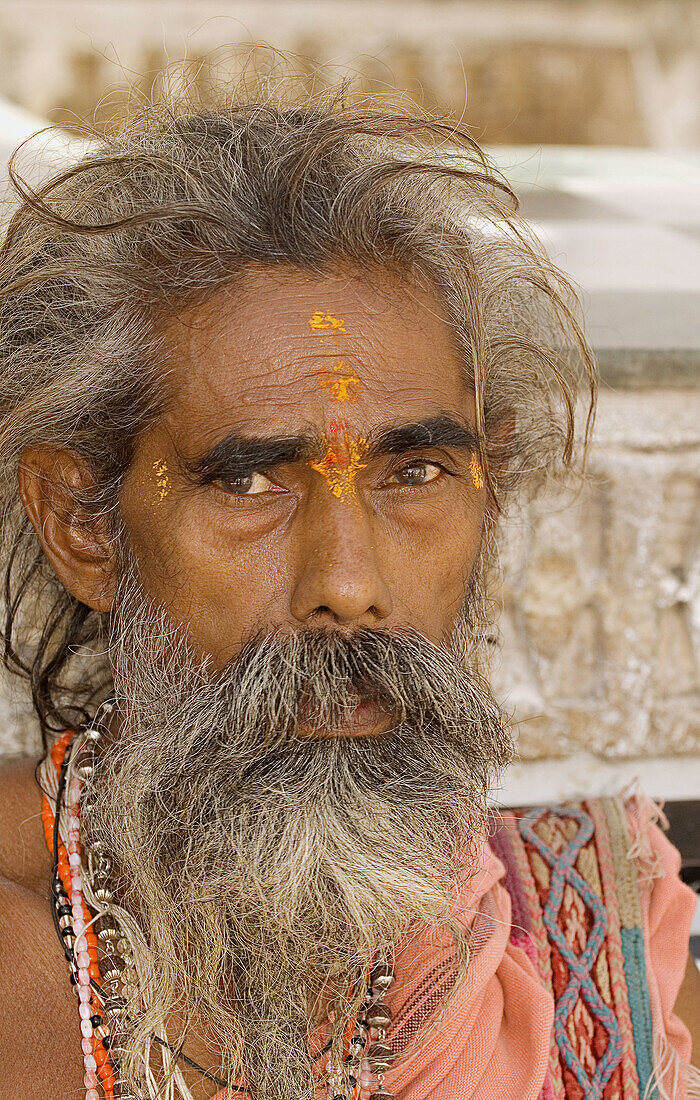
577	913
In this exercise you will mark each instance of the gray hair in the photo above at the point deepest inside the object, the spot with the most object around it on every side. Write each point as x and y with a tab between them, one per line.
168	209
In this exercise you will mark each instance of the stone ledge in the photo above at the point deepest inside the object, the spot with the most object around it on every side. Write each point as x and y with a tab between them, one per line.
635	369
585	775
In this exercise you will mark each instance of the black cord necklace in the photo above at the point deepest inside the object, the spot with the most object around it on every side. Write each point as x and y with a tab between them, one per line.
60	908
59	903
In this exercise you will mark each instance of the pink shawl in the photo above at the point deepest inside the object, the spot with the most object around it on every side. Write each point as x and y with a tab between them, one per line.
494	1042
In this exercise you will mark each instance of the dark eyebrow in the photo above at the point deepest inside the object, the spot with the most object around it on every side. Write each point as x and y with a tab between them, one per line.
434	431
250	453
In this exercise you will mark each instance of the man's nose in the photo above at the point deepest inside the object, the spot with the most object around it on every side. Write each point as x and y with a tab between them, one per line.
339	574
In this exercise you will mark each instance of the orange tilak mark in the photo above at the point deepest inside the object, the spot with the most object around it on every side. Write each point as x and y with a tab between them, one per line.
342	460
320	321
160	470
342	387
475	471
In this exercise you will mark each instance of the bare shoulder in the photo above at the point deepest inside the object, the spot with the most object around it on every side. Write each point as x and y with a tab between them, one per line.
24	857
40	1052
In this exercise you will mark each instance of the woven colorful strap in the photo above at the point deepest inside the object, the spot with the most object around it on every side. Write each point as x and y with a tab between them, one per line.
576	912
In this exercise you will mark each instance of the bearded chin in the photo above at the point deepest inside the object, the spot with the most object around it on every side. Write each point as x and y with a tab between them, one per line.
262	869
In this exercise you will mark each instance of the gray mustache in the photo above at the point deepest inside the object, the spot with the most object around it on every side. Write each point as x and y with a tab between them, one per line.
402	672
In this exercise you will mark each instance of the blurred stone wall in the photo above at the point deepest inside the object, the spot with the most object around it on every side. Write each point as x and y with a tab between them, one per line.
611	72
601	598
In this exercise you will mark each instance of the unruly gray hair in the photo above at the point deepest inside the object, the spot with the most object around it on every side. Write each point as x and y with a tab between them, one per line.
173	206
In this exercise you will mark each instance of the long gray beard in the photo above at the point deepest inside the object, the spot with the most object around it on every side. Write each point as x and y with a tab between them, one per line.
264	868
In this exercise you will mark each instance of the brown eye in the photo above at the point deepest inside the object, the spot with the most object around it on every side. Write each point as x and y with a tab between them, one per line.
246	485
417	473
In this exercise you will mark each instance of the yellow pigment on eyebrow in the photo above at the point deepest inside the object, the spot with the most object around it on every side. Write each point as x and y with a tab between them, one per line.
342	460
319	320
475	470
160	471
342	387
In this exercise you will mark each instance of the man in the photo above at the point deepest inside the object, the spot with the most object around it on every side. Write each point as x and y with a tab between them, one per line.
269	377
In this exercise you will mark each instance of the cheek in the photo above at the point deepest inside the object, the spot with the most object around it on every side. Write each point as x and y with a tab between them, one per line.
429	551
200	556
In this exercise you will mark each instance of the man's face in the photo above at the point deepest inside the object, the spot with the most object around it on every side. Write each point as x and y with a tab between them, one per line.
307	515
291	484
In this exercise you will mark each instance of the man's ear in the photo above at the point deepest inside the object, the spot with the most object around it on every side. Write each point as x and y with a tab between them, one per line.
76	543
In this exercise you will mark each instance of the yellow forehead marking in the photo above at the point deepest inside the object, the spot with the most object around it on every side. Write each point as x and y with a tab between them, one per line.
320	321
342	459
475	471
160	473
342	386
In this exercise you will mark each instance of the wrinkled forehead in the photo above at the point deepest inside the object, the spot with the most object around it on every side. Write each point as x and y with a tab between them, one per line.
284	345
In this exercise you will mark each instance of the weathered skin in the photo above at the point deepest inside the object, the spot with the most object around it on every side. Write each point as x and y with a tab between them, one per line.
295	556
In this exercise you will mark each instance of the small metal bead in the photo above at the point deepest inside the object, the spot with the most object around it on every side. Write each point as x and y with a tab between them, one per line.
381	977
380	987
378	1016
380	1057
105	928
84	770
112	989
112	962
123	946
381	1094
100	865
103	894
122	1092
99	859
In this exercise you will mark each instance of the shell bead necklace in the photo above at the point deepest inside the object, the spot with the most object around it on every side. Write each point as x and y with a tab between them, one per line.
105	991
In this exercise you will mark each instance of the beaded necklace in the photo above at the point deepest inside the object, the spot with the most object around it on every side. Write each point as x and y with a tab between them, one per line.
104	992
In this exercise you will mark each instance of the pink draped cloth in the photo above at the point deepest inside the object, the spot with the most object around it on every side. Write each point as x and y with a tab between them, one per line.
494	1042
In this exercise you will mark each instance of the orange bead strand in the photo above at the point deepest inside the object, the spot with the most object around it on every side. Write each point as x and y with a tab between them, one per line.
100	1054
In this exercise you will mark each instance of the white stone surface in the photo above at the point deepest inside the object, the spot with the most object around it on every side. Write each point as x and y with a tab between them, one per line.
585	775
601	597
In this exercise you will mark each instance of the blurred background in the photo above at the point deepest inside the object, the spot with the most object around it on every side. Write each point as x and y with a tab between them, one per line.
543	72
592	109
